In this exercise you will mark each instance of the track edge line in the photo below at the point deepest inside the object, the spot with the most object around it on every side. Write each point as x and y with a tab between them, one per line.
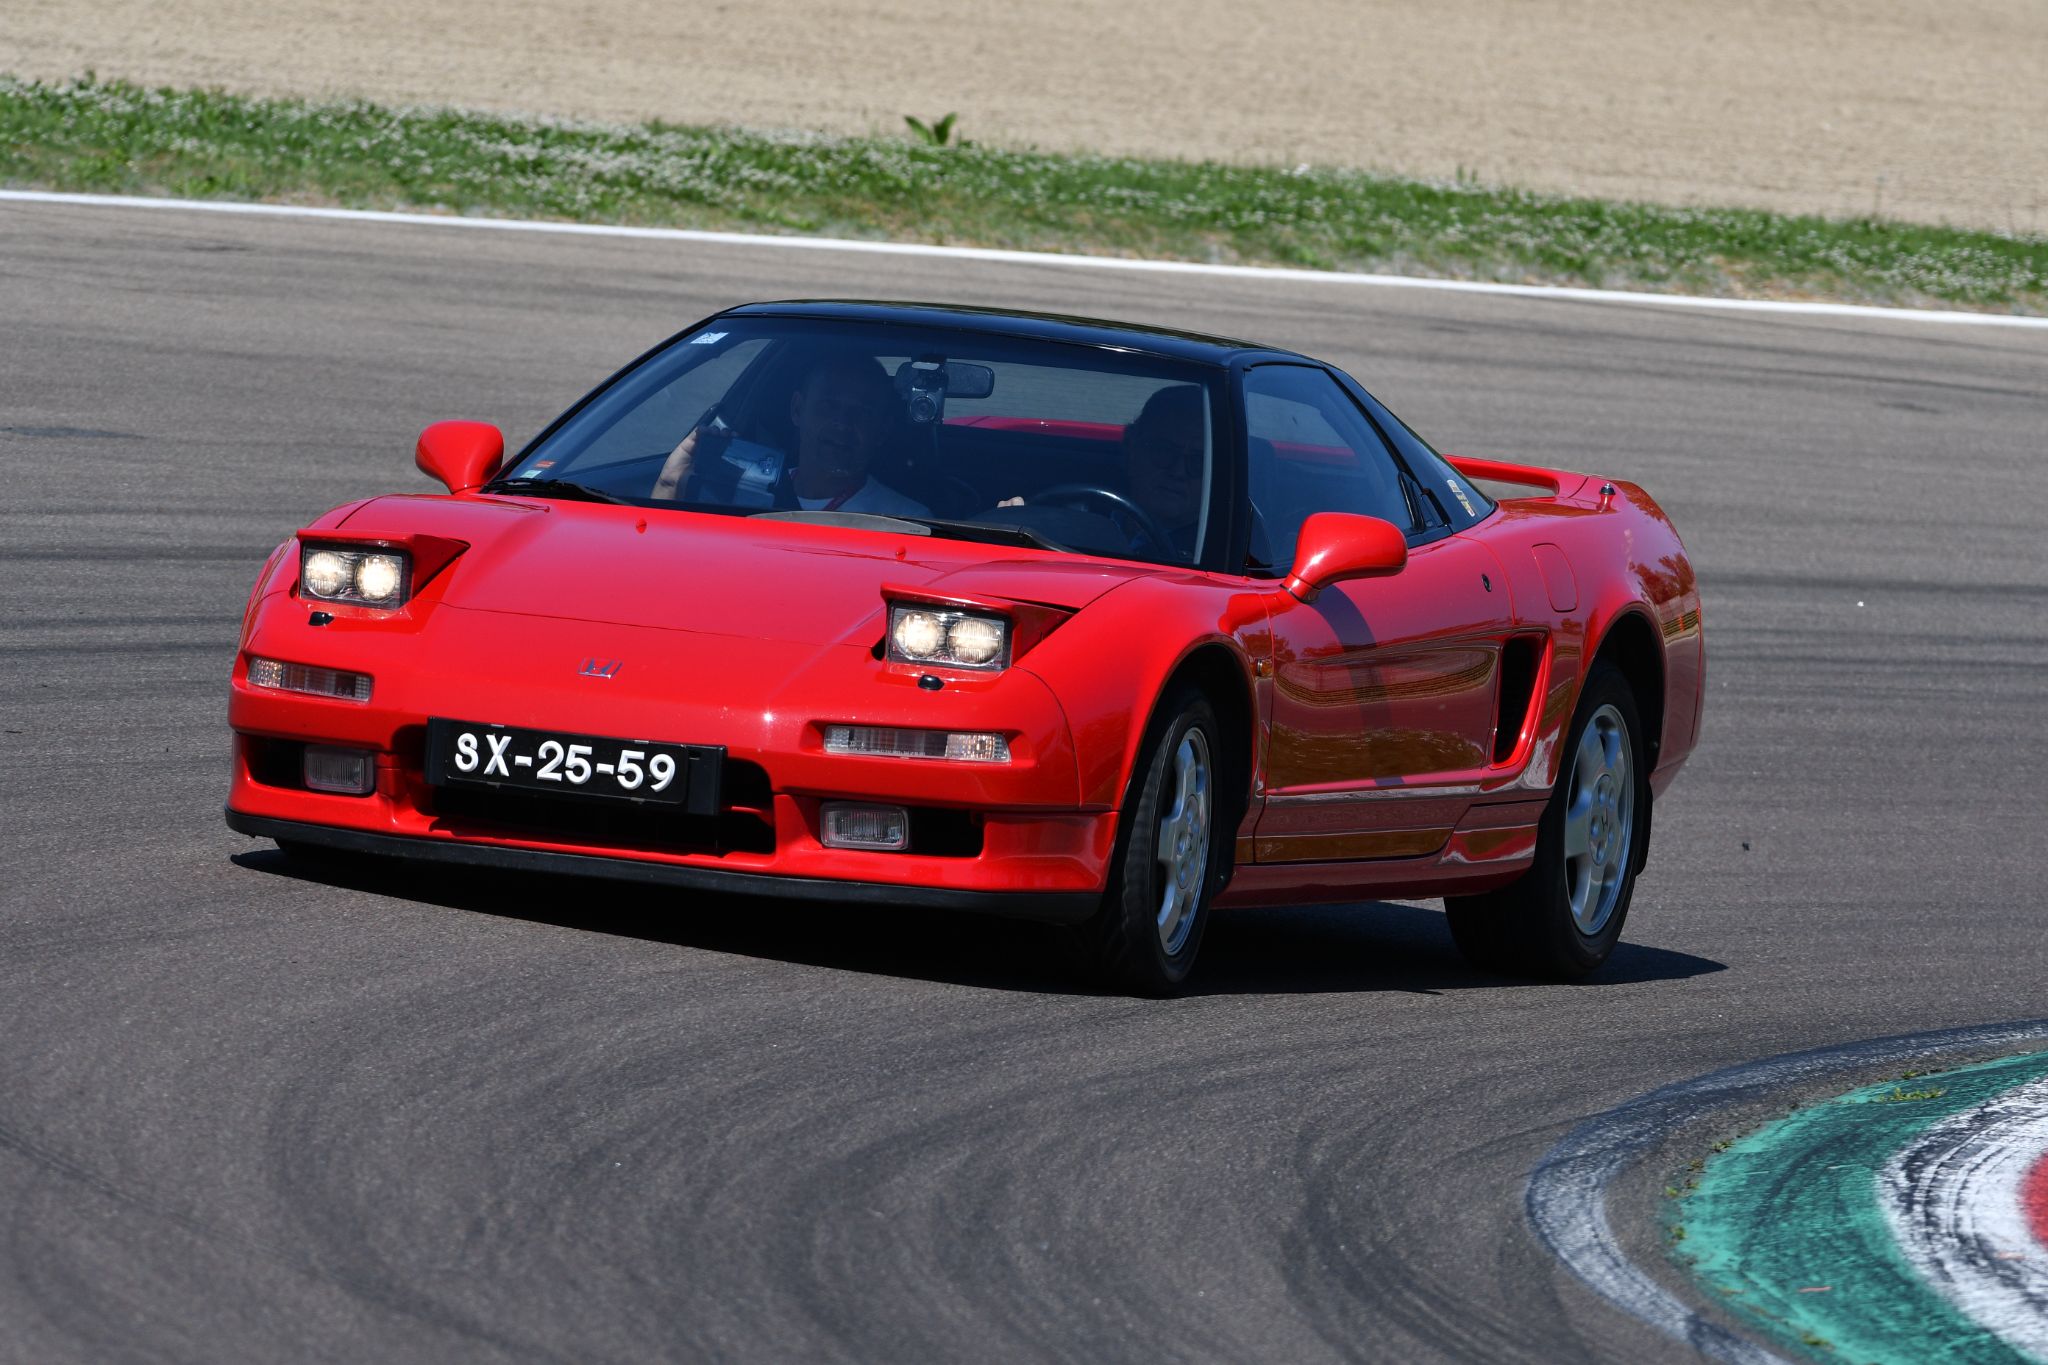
1558	293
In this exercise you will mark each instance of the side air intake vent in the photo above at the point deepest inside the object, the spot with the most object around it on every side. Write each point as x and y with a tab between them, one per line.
1520	660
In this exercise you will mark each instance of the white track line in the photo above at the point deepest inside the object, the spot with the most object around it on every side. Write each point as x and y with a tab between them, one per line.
963	253
1567	1196
1953	1199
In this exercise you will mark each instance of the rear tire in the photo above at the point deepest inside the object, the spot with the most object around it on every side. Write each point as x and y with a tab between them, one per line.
1170	857
1563	917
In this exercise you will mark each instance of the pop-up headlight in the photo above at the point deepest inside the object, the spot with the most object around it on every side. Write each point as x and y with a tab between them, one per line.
948	638
361	577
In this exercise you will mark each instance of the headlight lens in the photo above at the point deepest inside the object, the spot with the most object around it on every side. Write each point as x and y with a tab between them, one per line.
975	639
325	573
950	639
368	577
917	634
378	577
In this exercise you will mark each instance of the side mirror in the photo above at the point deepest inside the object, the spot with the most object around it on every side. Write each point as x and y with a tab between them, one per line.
1334	546
462	455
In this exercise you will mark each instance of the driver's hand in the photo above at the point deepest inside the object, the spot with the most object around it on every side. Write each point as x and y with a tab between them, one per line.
675	471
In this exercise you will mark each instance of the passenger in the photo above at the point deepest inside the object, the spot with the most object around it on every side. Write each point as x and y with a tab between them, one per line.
840	414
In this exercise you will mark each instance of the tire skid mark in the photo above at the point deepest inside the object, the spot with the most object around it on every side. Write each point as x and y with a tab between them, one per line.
1957	1201
81	1175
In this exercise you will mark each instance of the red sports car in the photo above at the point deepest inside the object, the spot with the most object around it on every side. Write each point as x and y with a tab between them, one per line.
1098	624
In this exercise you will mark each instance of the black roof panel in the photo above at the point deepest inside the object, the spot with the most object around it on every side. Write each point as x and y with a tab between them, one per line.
1048	326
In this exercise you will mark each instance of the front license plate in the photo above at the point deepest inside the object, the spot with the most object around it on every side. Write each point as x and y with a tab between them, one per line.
466	754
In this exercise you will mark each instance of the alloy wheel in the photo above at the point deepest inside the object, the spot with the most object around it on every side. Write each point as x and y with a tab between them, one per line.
1183	844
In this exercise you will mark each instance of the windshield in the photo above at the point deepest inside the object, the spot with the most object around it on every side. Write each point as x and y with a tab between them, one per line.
952	433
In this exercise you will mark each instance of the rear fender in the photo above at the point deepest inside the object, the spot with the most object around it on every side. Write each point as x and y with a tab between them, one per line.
1665	588
1657	595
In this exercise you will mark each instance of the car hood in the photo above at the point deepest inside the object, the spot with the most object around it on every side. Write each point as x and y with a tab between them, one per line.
776	580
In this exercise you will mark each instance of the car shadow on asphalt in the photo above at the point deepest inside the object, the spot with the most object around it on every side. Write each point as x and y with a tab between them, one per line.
1287	950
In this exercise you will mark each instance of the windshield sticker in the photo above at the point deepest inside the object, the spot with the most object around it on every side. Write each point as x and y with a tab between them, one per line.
1459	494
706	338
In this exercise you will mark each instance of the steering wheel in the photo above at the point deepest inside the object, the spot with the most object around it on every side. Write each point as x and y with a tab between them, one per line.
1084	492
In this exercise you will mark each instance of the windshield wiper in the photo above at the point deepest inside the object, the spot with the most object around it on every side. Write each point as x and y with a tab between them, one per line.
995	532
558	488
1424	501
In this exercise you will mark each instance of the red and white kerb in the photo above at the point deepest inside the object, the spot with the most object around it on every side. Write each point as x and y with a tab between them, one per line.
1968	1203
2034	1200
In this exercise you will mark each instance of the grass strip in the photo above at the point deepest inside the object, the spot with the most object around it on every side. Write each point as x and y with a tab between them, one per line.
114	137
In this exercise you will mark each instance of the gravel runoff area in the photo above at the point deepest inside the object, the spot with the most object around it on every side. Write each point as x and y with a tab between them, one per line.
1931	110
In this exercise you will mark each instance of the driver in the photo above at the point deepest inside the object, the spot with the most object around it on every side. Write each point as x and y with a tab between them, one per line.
840	414
1165	449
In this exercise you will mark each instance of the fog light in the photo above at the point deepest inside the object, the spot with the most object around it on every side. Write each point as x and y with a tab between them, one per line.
961	746
317	682
346	772
851	824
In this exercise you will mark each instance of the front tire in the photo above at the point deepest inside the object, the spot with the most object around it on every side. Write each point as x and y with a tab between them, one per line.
1564	916
1170	854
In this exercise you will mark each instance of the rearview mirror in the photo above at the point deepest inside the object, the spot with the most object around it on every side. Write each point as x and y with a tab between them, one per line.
964	380
1334	546
462	455
926	382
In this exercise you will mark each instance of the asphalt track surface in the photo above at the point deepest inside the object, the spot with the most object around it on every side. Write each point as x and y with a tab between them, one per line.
250	1113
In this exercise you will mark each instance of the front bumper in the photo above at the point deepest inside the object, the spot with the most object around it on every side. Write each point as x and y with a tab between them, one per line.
1053	907
1020	842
